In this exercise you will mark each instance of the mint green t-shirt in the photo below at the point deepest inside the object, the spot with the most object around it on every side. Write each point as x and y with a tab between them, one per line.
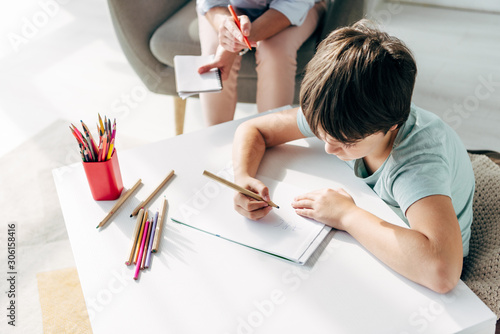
427	158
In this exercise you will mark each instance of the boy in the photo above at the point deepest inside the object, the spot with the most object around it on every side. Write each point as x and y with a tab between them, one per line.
356	97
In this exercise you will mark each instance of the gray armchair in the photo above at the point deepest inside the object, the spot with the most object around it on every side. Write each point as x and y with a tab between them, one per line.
152	32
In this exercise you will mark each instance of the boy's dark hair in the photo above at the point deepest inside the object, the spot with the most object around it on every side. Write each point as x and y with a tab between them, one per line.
359	82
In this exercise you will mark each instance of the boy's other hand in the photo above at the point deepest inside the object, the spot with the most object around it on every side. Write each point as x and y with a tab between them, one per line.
249	207
327	206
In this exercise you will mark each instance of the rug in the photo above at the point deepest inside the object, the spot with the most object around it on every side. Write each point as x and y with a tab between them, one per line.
62	302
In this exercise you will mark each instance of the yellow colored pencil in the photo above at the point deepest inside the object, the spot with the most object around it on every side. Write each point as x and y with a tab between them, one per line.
110	149
138	245
136	237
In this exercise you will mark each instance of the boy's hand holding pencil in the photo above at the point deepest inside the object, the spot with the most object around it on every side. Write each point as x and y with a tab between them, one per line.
253	204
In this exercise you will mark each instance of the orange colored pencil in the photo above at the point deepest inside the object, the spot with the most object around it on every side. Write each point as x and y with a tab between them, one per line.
237	21
144	219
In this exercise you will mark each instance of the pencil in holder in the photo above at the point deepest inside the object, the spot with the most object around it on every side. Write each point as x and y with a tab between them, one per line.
105	179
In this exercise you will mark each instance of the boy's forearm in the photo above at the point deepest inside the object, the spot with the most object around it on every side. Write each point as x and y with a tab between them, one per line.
248	149
407	251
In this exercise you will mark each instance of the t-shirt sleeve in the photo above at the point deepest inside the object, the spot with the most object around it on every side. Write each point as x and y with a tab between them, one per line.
303	125
423	176
295	10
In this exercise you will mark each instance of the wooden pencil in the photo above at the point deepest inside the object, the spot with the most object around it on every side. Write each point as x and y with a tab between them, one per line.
238	188
159	226
138	245
136	236
145	202
118	204
138	266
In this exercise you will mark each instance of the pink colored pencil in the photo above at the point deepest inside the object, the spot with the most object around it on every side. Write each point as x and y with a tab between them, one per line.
79	136
141	251
146	246
78	133
114	129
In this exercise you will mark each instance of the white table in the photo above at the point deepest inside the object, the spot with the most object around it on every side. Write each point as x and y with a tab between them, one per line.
202	284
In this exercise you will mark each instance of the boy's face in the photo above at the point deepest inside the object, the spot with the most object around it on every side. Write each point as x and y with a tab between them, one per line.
372	145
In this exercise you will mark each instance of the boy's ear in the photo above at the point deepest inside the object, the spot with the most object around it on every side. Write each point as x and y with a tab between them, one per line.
394	127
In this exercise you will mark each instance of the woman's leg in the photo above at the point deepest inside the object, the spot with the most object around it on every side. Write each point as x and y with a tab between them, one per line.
277	62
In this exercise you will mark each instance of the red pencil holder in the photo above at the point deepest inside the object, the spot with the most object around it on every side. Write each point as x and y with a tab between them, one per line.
105	179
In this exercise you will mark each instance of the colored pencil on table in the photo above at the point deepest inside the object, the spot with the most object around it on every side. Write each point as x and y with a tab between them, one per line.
143	203
139	260
159	226
146	245
136	237
138	246
119	203
151	241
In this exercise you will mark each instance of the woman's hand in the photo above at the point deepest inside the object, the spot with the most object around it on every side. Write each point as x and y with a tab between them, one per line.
230	36
327	206
223	60
249	207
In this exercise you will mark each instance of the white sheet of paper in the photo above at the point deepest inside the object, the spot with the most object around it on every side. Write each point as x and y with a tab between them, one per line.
282	232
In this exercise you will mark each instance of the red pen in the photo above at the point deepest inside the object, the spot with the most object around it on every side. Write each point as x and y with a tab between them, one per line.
237	21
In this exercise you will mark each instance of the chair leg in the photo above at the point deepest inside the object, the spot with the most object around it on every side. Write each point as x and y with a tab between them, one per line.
180	114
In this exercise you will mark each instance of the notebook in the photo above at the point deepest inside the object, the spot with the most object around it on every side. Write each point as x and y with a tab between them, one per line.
187	79
282	233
